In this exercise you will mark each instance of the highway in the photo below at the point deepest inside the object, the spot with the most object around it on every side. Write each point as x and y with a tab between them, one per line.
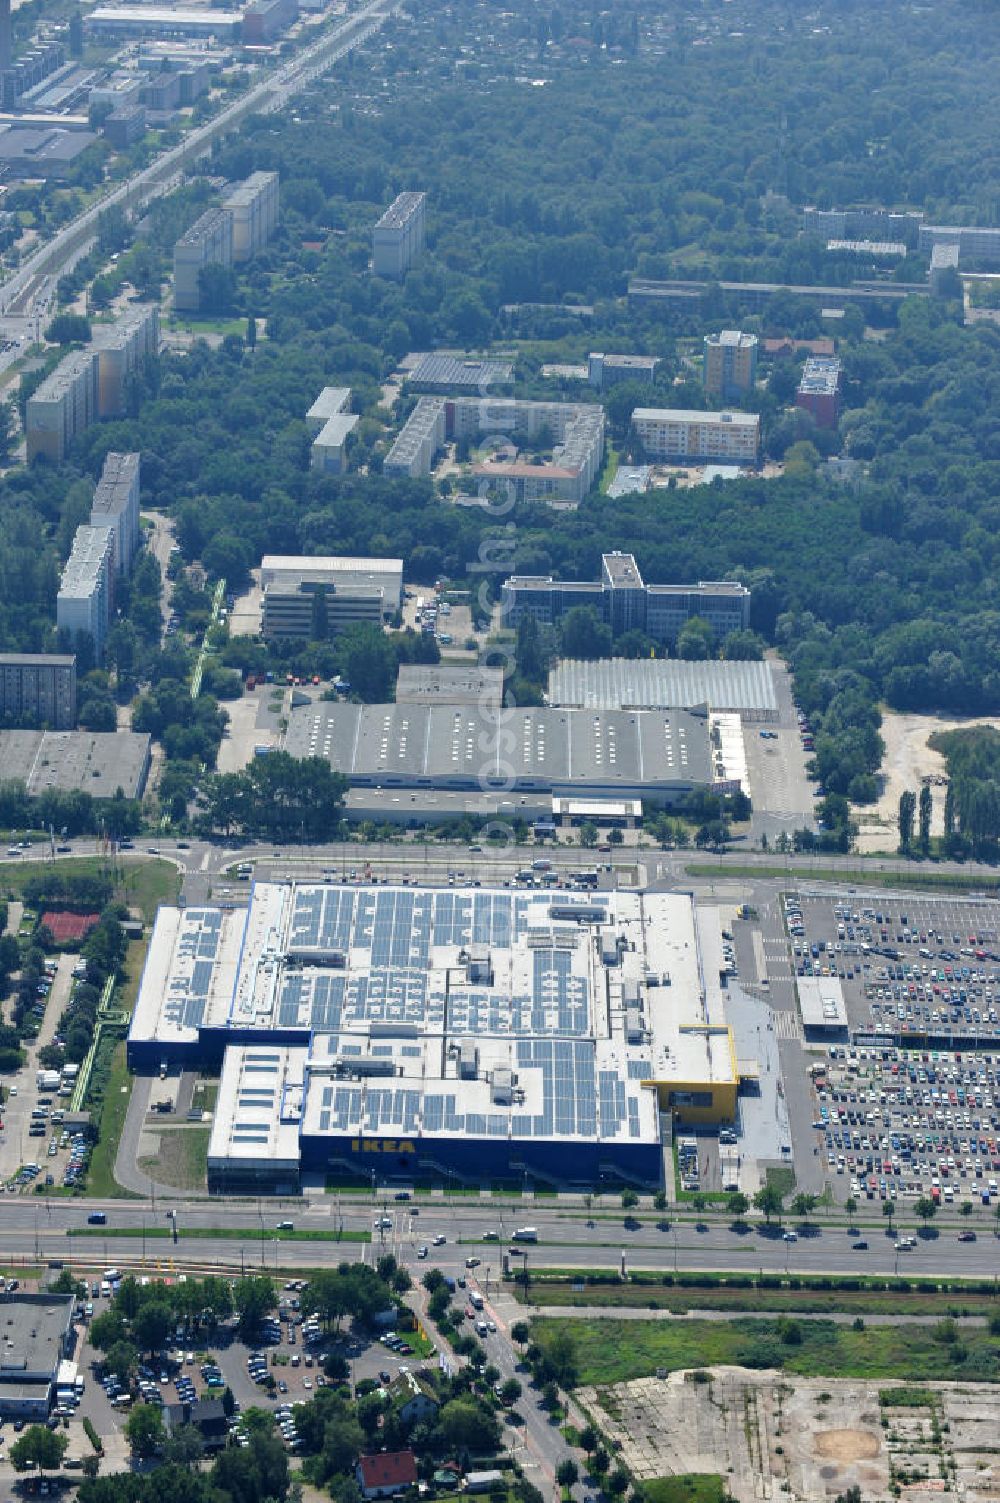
567	1238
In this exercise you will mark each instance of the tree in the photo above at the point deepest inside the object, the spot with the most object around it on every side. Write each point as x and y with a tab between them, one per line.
924	818
926	1208
153	1323
251	332
68	328
695	639
510	1391
216	288
466	1425
803	1204
907	810
520	1332
7	429
850	1205
144	1429
965	1209
253	1297
889	1210
769	1201
561	1355
738	1204
588	834
582	634
629	1200
567	1472
38	1446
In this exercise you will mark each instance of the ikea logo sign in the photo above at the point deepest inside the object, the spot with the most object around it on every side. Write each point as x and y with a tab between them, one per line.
383	1145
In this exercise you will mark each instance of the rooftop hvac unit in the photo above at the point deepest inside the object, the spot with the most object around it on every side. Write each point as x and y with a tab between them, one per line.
468	1061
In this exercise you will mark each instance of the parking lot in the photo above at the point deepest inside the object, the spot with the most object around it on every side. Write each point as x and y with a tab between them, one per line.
908	1105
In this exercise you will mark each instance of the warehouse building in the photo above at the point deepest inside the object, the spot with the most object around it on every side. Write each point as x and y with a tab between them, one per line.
312	598
399	237
116	505
133	21
743	688
657	755
100	763
207	242
38	688
666	433
419	1032
253	205
86	589
458	375
446	684
625	602
37	1340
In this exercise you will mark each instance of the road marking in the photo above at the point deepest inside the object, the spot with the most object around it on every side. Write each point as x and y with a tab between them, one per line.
787	1026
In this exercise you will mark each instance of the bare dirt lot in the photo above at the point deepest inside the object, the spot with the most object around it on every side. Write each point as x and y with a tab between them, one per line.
908	759
774	1437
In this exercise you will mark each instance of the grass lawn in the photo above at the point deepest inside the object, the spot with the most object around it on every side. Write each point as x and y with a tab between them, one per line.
914	876
101	1181
146	884
610	1351
182	1160
686	1487
782	1179
637	1295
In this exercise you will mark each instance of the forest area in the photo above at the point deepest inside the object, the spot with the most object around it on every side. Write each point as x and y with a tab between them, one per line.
662	144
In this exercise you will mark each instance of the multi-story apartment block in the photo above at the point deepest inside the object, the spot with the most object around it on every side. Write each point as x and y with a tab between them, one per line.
975	242
329	446
399	236
576	430
626	603
605	371
86	590
122	349
730	364
207	242
63	406
254	208
819	390
38	689
698	436
116	505
332	402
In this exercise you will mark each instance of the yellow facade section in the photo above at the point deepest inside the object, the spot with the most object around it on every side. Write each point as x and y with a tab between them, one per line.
702	1102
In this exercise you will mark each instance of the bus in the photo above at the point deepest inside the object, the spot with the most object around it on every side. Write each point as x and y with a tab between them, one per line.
526	1234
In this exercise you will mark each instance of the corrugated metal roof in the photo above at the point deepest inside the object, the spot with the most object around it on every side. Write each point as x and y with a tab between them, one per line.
662	683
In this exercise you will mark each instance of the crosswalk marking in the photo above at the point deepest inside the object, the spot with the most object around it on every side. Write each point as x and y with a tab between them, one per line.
787	1025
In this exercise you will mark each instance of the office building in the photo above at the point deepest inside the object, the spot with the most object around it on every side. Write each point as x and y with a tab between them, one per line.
119	90
605	371
399	236
38	1340
693	437
863	224
751	297
729	365
332	401
207	242
125	125
129	22
329	444
161	93
625	602
314	598
977	244
658	756
819	390
122	348
253	206
38	688
466	1033
458	375
116	505
86	590
99	763
64	405
6	46
576	430
943	268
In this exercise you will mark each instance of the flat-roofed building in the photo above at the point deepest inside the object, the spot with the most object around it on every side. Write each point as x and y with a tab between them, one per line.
253	205
123	347
116	505
819	390
745	688
458	375
133	21
38	688
605	371
207	242
666	433
399	236
410	1030
63	407
419	439
99	763
37	1339
328	447
313	598
979	243
447	684
86	589
730	364
863	224
625	602
331	402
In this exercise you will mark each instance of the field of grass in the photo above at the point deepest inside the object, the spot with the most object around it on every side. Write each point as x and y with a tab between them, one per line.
610	1351
145	884
915	876
182	1160
751	1301
686	1487
101	1180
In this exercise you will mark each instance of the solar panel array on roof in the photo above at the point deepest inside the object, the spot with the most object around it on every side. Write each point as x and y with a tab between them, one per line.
190	983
